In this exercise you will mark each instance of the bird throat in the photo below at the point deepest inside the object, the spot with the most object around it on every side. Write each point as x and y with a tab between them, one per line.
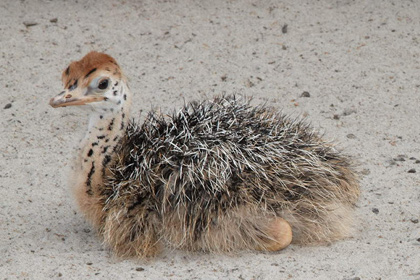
98	147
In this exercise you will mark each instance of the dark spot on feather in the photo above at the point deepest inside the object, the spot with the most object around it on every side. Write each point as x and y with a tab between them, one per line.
119	102
94	144
90	153
101	137
105	149
105	98
101	117
90	72
115	138
125	96
116	83
115	92
68	71
111	124
89	179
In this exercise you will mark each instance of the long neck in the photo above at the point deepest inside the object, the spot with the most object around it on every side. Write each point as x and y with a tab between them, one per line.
106	128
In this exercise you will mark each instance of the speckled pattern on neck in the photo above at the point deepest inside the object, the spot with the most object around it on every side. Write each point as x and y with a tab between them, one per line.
106	128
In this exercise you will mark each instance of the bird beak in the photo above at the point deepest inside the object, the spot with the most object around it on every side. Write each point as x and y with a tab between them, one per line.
73	98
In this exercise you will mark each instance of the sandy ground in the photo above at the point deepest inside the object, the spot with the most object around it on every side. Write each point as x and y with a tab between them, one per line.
359	61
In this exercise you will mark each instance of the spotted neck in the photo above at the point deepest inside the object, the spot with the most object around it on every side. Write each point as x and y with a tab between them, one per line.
106	128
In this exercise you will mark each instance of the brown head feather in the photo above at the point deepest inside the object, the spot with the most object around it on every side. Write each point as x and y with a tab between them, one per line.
83	71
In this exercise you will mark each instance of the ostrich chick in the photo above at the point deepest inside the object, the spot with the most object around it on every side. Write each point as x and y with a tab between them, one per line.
217	176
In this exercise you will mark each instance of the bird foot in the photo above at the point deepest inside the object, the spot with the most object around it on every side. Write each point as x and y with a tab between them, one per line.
279	236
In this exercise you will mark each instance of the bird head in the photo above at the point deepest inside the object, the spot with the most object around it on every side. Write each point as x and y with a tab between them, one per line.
96	80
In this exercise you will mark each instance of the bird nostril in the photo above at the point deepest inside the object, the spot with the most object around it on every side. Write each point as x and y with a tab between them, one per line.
68	96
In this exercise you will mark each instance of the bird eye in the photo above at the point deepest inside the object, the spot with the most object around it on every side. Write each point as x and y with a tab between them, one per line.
103	84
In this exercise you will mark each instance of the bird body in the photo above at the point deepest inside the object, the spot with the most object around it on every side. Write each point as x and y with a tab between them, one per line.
218	175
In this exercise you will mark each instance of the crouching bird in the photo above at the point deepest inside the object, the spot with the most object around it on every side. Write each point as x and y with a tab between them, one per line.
216	176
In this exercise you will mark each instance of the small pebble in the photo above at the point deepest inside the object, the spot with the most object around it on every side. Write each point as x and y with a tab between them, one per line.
249	83
53	20
418	239
89	263
412	158
305	94
139	269
375	210
417	161
8	106
351	136
284	29
400	158
336	117
415	221
391	162
30	23
365	171
60	274
412	170
348	112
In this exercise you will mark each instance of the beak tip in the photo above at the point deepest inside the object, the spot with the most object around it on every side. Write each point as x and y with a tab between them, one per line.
52	103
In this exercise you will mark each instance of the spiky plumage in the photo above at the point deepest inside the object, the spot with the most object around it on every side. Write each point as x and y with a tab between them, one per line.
211	176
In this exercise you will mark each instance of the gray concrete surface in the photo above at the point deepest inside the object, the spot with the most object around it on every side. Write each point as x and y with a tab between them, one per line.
359	60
